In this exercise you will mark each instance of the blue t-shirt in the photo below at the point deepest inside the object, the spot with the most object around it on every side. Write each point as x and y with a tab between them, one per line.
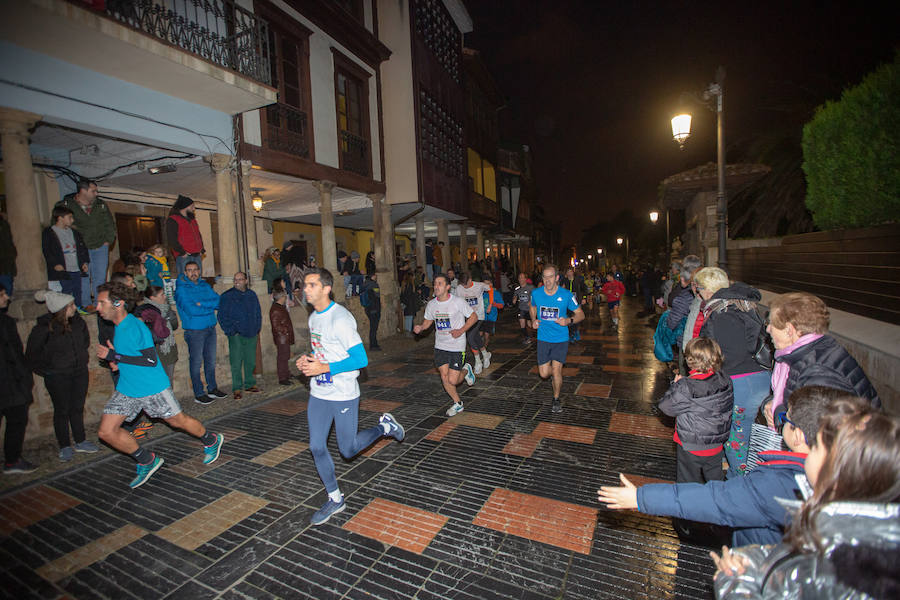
135	381
550	308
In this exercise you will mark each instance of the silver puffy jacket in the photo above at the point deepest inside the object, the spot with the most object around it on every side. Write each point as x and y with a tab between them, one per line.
778	572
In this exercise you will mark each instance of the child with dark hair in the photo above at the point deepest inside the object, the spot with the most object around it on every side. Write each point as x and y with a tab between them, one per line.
844	541
701	404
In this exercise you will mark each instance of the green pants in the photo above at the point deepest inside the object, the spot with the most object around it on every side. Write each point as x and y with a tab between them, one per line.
242	354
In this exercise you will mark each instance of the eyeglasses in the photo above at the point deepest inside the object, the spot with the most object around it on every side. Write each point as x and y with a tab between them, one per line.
781	419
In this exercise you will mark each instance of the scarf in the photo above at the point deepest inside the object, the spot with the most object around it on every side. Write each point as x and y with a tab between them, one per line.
782	369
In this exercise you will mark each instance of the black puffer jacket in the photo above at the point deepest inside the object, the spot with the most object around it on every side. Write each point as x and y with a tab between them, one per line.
702	410
56	353
15	377
825	362
734	329
679	305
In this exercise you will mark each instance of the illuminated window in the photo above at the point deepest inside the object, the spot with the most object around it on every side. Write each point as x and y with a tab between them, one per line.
490	181
475	171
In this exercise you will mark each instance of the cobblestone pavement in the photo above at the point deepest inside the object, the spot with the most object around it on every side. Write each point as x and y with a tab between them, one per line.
496	502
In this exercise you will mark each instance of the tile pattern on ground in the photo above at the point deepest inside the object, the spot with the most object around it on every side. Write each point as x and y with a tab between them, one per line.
283	406
642	425
21	509
280	453
206	523
397	525
90	553
474	419
594	390
378	406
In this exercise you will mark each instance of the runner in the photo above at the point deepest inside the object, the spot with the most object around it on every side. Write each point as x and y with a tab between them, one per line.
452	317
493	302
473	292
337	356
613	289
142	385
523	301
549	305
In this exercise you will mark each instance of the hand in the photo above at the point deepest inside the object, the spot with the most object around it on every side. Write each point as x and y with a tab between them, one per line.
302	361
84	267
619	498
104	351
729	563
114	367
678	376
417	329
456	332
564	321
767	411
59	268
313	367
534	323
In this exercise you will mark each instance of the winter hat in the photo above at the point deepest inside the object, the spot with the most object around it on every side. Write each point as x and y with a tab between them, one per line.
354	255
181	202
56	301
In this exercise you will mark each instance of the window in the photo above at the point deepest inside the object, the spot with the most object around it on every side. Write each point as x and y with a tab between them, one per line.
348	104
351	93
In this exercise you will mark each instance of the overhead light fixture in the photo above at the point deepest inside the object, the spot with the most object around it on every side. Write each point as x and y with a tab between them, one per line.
257	200
169	168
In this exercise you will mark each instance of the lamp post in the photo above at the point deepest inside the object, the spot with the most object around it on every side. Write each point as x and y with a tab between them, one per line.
681	130
619	241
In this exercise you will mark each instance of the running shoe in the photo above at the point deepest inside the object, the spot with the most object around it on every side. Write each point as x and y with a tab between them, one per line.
395	429
217	394
486	357
144	472
20	467
211	453
328	510
204	399
557	405
478	366
455	409
89	447
66	454
470	376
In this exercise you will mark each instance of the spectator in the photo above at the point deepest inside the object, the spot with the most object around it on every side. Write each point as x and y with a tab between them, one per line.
689	265
806	355
7	256
240	317
370	262
158	272
183	233
57	350
438	258
410	300
671	278
356	277
429	260
16	380
197	304
66	255
454	282
701	404
748	504
95	222
372	305
728	315
282	334
843	541
273	270
162	321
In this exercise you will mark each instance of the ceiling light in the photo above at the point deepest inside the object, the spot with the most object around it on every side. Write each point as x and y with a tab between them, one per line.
257	200
169	168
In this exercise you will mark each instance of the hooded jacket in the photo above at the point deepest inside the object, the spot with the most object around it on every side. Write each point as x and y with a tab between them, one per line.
861	542
55	352
187	296
702	410
731	320
679	305
746	503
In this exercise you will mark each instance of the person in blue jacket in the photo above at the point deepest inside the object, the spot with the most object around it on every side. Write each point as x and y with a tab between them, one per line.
241	319
748	504
197	304
493	302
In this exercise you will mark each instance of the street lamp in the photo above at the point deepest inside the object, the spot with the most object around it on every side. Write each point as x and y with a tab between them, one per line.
619	241
681	130
654	216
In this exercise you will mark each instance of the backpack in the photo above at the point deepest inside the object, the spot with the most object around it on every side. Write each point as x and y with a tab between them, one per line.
366	298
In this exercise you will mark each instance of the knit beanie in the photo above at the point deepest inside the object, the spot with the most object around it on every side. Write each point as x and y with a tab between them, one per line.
181	202
56	301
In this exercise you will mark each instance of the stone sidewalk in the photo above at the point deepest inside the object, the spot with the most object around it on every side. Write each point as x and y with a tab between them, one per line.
496	502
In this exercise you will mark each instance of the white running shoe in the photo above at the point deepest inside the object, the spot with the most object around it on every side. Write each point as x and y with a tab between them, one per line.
486	357
455	409
478	366
470	376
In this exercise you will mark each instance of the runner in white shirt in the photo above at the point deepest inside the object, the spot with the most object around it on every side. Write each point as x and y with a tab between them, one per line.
337	356
473	293
452	317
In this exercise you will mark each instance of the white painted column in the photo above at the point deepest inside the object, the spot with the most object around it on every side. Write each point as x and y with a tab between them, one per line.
443	236
463	246
420	243
254	268
228	256
329	248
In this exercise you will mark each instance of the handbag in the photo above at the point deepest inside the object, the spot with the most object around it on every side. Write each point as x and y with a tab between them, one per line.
764	354
761	439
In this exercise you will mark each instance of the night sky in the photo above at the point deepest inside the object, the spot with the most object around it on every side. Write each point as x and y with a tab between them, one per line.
592	85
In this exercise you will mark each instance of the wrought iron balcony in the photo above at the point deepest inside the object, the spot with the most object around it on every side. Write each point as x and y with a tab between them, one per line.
354	153
286	130
219	31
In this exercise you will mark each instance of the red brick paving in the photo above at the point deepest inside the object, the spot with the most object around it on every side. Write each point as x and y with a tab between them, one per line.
396	524
522	444
639	480
567	371
553	522
569	433
619	355
440	432
581	360
594	390
378	406
389	381
20	510
642	425
377	446
284	406
622	369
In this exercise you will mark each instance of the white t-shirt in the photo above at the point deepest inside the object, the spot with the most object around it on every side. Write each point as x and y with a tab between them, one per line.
474	296
331	333
448	315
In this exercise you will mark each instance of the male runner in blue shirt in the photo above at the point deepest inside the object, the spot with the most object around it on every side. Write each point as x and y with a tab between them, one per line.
549	306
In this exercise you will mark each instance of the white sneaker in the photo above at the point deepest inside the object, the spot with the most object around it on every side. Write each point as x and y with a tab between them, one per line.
478	366
455	409
470	376
486	357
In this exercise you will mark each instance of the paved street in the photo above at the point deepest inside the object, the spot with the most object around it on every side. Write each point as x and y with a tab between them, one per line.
496	502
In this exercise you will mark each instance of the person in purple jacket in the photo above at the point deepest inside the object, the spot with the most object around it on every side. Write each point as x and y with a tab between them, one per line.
748	504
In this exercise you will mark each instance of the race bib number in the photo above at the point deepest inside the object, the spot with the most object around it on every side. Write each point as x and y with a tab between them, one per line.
473	302
315	341
324	379
442	322
549	313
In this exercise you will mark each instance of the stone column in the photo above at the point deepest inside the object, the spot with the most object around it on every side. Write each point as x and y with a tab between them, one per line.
22	209
385	264
443	236
329	248
254	267
227	250
420	242
479	243
463	246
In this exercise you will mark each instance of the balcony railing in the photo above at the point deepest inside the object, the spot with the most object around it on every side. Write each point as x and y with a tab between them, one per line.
286	130
354	153
219	31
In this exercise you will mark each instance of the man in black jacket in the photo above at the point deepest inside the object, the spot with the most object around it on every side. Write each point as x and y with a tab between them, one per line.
16	381
65	253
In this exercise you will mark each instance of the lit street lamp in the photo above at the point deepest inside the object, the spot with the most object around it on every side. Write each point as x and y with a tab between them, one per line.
681	130
619	241
654	216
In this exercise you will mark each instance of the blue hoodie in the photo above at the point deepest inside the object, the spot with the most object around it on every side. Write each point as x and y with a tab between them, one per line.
187	295
746	503
239	313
